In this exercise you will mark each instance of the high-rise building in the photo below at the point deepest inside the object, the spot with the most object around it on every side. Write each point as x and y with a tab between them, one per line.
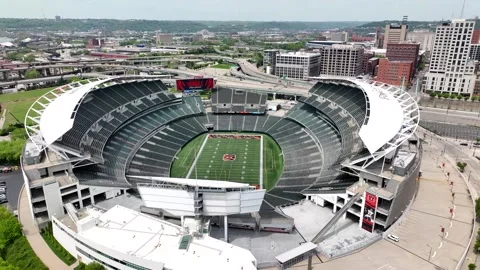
339	36
451	70
269	60
298	65
342	60
58	18
394	72
163	38
424	37
404	52
476	36
475	52
395	33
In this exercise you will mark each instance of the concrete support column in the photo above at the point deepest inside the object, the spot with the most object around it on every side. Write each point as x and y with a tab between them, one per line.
274	96
181	220
225	227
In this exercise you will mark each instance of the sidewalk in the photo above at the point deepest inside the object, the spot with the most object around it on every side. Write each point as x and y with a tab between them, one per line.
32	233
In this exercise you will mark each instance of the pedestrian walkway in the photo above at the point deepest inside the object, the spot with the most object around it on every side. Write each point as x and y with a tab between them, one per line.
36	241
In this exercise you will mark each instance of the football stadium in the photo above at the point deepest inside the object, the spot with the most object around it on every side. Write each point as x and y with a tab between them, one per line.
196	169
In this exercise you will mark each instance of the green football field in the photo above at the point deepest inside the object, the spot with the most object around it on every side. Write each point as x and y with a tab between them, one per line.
230	158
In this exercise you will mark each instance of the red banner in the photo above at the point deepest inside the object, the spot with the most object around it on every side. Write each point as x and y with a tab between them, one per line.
370	206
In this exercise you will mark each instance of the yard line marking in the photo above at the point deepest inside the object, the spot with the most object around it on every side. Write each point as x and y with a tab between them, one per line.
434	254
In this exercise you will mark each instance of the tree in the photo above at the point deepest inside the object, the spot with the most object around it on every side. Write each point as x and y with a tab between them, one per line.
29	58
32	74
461	166
432	94
94	266
477	208
472	266
10	228
6	266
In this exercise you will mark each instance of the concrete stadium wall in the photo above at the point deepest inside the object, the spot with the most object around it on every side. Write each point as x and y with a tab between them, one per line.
406	190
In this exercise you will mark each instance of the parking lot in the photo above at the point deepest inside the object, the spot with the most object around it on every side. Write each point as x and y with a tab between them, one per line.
14	181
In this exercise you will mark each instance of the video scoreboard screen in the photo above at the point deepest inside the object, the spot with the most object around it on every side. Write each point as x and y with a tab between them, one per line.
196	84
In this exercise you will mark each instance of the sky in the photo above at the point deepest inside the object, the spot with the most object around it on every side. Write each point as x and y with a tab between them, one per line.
242	10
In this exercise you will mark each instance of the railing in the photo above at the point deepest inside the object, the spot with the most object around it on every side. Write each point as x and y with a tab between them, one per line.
348	249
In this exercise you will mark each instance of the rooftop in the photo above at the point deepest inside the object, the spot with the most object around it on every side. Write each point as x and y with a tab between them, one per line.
136	234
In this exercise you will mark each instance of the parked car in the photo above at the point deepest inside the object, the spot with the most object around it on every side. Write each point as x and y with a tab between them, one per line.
7	169
464	144
3	190
3	184
393	237
3	198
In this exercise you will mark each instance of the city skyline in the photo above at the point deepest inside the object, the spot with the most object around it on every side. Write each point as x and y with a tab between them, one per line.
249	10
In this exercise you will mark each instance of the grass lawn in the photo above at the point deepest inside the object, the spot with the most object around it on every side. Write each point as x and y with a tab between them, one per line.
61	253
19	103
245	166
222	66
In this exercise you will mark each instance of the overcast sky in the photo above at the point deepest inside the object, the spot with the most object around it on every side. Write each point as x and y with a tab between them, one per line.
245	10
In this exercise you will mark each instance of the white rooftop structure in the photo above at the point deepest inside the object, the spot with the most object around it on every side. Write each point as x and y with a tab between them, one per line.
196	182
392	116
145	241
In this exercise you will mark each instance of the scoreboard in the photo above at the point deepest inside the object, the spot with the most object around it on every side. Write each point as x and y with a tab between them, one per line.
196	84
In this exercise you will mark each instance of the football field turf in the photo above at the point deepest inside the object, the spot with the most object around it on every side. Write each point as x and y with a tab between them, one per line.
231	157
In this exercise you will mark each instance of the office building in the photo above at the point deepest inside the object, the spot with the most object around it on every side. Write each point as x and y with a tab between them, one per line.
366	57
58	18
339	36
164	38
394	33
394	72
269	60
298	65
476	36
424	37
475	52
342	60
451	70
404	52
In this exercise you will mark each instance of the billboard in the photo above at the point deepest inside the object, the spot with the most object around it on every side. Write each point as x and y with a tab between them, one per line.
195	84
368	219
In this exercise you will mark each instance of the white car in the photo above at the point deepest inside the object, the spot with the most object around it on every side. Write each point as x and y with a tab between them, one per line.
3	190
393	237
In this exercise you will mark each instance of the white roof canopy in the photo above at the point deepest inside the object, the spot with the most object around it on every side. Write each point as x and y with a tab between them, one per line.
384	119
59	115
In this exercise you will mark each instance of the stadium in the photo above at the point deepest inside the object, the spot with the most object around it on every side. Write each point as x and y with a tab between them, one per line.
347	145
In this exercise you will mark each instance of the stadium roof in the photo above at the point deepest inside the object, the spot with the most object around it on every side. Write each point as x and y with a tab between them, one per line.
384	119
136	236
59	115
194	182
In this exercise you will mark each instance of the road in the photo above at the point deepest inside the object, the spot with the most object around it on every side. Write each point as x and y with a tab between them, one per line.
449	116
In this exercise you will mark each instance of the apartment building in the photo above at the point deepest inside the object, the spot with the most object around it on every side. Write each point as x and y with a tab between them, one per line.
297	65
451	70
163	38
342	60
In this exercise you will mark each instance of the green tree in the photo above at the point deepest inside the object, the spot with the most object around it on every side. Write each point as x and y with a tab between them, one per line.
94	266
32	74
477	208
6	266
29	58
461	166
10	228
472	266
